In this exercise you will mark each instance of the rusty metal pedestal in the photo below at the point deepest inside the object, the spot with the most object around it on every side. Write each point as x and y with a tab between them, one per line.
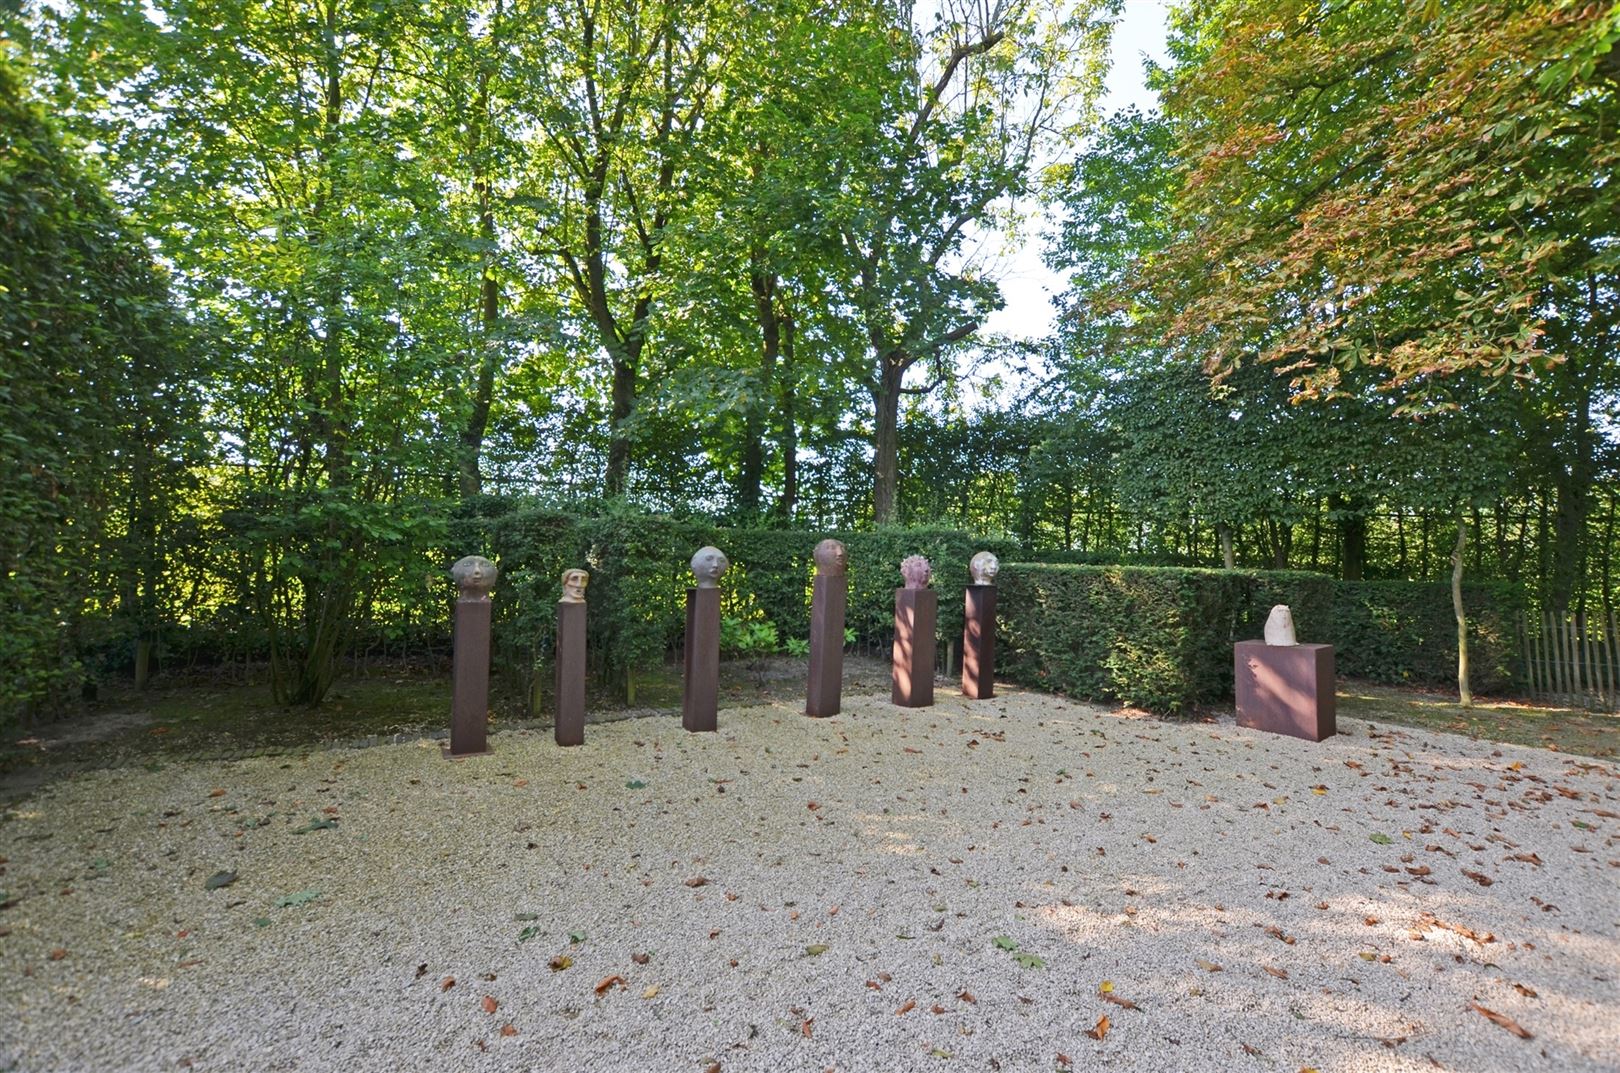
828	600
570	729
469	705
979	643
916	615
701	696
1285	689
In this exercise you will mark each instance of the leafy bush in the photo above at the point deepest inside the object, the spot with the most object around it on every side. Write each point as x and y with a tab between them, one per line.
1160	637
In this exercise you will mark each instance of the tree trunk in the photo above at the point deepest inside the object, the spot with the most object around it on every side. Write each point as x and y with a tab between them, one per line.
1224	533
788	444
489	311
1465	695
1352	539
763	283
885	440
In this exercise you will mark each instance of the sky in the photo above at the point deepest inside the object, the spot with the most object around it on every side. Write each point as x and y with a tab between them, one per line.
1027	285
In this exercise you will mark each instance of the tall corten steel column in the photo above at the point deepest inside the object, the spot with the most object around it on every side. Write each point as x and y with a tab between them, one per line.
916	616
570	654
469	706
828	600
979	629
700	699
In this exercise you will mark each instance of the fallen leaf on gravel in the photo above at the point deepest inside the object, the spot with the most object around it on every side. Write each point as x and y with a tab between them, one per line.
605	985
219	879
1101	1031
1122	1003
447	983
1479	877
1527	858
559	963
967	996
1381	839
906	1007
697	881
58	954
1281	974
528	932
303	897
1504	1021
641	959
216	792
1525	991
576	937
1250	1050
520	783
936	1008
421	970
1105	987
651	992
807	1026
1208	966
1004	942
714	1067
815	950
509	1030
490	1005
1277	933
1030	961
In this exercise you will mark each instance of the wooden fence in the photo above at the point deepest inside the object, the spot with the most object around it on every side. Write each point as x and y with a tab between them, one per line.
1572	660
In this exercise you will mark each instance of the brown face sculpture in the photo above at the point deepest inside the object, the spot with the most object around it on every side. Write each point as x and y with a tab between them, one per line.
474	576
832	558
917	571
708	564
573	586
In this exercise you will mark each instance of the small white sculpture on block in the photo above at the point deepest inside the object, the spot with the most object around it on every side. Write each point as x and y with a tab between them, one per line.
1280	627
983	568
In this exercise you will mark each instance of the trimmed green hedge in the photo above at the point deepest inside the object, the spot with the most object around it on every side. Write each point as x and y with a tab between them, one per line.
1161	637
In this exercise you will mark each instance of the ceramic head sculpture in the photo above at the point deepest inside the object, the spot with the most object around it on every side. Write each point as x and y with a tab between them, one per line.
984	567
832	558
573	586
1280	627
917	571
474	576
708	564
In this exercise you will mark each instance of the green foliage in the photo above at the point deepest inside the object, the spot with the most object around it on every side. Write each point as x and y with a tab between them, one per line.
1160	638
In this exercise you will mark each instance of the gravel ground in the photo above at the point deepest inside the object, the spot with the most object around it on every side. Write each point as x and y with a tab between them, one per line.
970	886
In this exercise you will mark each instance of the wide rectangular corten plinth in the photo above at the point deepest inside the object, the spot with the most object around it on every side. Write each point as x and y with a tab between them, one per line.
828	600
916	614
570	674
1285	689
701	695
469	688
979	643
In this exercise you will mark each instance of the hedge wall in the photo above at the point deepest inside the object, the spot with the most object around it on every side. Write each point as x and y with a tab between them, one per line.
1160	637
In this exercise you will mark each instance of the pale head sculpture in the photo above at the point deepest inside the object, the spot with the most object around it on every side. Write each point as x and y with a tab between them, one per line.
984	567
474	576
573	586
832	558
917	571
708	564
1280	627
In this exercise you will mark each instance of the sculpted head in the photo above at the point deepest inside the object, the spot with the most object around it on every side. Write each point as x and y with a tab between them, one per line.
573	585
832	558
1280	626
708	564
984	567
917	571
474	576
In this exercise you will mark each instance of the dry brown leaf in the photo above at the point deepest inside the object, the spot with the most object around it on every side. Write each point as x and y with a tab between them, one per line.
58	954
559	963
1099	1033
651	992
1525	991
447	983
641	959
697	881
968	997
1281	974
906	1007
490	1005
806	1028
608	983
936	1008
1122	1003
1208	966
216	792
509	1029
714	1067
1504	1021
1250	1050
1479	877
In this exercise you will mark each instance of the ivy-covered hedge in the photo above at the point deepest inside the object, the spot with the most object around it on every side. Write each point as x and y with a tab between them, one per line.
1160	637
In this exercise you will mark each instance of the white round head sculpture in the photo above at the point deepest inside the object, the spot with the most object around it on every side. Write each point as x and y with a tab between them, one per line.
1280	627
832	558
474	576
917	571
984	567
708	564
573	585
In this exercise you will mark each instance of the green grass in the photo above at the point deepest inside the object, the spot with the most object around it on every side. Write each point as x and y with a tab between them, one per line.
1568	730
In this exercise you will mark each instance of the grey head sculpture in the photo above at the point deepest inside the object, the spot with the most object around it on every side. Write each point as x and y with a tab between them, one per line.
984	567
474	576
708	564
917	571
832	558
573	586
1280	627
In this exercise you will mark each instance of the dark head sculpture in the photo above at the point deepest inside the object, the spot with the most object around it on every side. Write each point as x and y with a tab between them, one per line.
708	564
832	558
474	576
